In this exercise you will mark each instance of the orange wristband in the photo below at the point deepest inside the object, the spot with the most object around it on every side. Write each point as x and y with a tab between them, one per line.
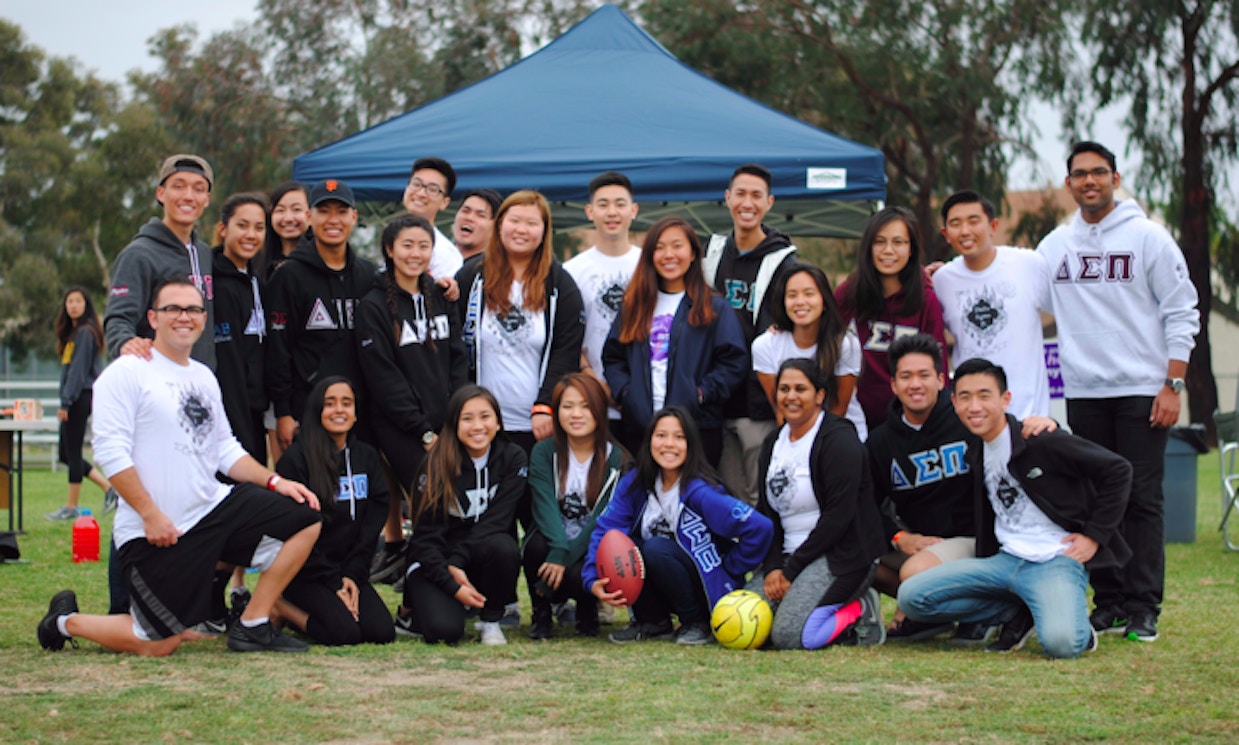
898	535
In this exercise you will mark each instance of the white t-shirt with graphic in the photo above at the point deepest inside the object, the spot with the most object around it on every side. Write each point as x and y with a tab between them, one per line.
995	314
789	486
1022	529
662	511
510	358
166	421
602	280
572	508
660	343
773	347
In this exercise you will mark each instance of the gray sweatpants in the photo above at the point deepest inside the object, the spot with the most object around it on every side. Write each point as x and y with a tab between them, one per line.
804	596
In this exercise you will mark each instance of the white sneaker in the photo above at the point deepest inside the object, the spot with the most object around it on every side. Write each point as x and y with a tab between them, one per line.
492	633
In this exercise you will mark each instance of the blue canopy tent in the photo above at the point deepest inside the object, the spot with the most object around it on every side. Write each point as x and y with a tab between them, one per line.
605	96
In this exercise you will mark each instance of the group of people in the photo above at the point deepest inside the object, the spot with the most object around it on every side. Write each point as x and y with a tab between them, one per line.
745	423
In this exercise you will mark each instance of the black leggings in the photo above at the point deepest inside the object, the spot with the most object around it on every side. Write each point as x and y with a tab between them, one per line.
330	622
536	551
440	616
72	435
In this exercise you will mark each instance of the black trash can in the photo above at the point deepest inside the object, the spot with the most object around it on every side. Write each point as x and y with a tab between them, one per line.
1183	447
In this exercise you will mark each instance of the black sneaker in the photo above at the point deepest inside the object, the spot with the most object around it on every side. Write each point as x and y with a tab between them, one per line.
63	603
542	625
388	567
264	638
1109	620
694	634
565	612
908	630
972	634
639	632
1142	627
869	628
1014	632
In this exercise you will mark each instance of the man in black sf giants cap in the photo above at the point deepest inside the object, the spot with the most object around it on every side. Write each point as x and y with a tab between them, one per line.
164	248
311	299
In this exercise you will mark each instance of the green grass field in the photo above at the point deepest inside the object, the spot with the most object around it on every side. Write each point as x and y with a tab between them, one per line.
1180	689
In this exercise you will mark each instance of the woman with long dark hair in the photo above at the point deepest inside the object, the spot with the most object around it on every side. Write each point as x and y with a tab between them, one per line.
79	342
331	599
288	217
668	504
240	319
888	296
412	357
463	551
571	477
807	324
674	343
816	490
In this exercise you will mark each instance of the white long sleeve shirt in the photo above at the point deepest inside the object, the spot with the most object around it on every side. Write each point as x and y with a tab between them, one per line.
167	421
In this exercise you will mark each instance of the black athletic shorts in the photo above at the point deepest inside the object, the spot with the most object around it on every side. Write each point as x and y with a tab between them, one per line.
170	588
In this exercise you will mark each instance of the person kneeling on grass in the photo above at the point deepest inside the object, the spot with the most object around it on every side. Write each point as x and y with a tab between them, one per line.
463	551
698	541
331	598
1048	510
160	435
816	489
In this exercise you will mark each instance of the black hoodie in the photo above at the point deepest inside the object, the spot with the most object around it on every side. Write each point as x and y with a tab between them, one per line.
156	254
239	337
414	362
310	311
923	473
734	279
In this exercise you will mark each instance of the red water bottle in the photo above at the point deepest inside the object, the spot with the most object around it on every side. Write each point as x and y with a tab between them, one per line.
85	538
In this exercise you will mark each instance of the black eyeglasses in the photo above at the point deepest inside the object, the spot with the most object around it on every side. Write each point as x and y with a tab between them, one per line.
193	311
433	190
1098	173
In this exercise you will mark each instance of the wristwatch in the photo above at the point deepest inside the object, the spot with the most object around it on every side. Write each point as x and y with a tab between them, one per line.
1176	384
428	437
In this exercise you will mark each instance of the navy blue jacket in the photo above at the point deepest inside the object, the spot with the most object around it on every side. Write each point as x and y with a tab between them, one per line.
714	360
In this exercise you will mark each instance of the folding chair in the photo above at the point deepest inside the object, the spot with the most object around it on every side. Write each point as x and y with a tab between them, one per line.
1228	448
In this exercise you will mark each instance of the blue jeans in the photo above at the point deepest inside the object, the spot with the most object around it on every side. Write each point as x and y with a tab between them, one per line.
672	584
990	590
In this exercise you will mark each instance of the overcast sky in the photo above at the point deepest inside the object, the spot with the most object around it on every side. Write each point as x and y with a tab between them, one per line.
111	39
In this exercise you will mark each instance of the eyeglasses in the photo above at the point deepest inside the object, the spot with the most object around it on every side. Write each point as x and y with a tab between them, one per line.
1098	173
897	244
193	311
432	190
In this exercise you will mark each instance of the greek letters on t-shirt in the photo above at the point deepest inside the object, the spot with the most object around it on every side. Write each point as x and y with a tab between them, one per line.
358	488
739	294
1110	266
700	541
884	333
479	500
320	319
932	465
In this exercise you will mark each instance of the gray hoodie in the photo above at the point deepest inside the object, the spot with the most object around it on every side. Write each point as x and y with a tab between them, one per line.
156	254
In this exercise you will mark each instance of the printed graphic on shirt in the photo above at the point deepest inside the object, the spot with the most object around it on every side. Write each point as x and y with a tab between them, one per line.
739	294
320	319
931	466
985	314
257	325
479	500
661	528
610	295
512	329
660	337
884	333
416	332
223	332
781	486
1007	498
194	414
574	513
358	488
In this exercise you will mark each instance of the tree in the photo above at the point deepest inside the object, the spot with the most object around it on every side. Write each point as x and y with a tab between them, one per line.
939	87
1177	63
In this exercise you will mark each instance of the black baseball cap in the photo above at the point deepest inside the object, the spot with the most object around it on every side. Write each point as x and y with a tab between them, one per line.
332	190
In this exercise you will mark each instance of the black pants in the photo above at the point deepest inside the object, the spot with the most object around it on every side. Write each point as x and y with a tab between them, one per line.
1122	426
493	571
72	435
404	452
536	551
330	622
672	584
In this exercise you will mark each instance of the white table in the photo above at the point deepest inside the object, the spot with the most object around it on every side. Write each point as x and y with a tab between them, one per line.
11	463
